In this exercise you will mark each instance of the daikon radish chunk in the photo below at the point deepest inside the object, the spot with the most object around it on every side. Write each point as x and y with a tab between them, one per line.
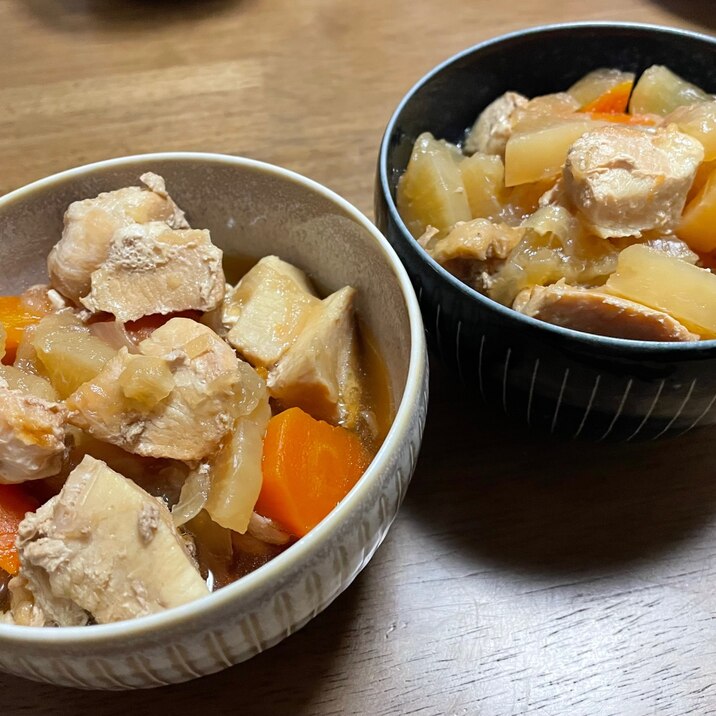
698	222
698	121
660	91
484	178
558	104
597	83
702	176
538	148
431	192
685	292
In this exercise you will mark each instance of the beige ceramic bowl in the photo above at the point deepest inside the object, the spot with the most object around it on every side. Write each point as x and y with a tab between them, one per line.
255	209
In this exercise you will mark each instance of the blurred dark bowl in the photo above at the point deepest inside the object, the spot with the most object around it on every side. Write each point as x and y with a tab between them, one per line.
566	382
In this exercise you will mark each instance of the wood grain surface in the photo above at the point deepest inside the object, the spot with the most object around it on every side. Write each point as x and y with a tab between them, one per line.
522	576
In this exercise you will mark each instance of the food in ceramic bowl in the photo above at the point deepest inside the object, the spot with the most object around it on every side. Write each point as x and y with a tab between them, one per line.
168	434
584	208
539	207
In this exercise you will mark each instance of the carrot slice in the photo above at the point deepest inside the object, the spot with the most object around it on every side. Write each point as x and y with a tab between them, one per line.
14	503
16	316
309	466
613	101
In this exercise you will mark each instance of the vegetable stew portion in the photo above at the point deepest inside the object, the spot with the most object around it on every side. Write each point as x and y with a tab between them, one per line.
543	204
162	432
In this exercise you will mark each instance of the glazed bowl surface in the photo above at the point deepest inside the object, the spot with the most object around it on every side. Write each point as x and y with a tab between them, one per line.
561	381
252	209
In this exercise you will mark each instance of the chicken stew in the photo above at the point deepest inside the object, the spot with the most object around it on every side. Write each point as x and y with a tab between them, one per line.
162	432
592	209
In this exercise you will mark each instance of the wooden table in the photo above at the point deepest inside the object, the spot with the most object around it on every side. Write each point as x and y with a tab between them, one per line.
521	576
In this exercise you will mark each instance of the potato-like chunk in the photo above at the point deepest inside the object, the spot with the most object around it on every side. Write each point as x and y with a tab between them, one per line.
538	148
698	121
596	83
68	352
431	192
483	176
660	91
684	291
698	222
28	383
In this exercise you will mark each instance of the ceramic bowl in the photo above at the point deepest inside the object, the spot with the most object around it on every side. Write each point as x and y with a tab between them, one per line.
251	209
562	381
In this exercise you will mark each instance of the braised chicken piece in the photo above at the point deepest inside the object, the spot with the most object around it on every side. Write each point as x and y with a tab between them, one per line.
267	310
174	399
90	225
32	436
153	269
319	372
625	182
493	127
594	311
102	550
474	249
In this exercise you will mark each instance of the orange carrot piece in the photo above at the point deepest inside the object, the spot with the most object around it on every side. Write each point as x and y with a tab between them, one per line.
309	466
613	101
16	316
14	503
624	118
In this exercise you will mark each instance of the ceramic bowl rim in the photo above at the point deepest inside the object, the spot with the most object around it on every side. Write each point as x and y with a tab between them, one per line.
155	625
586	339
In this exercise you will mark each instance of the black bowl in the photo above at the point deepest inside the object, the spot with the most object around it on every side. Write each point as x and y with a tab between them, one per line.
567	382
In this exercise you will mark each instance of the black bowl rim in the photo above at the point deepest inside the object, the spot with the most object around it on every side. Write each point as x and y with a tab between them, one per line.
587	339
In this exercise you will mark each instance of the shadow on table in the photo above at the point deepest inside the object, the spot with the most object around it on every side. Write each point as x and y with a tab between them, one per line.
132	15
534	503
297	676
696	11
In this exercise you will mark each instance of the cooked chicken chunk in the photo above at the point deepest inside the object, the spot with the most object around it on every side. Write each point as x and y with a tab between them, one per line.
493	127
268	309
625	181
151	268
475	249
319	372
174	399
32	436
479	240
90	225
104	549
594	311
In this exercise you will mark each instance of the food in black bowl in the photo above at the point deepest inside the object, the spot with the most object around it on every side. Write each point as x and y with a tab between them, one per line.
539	208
